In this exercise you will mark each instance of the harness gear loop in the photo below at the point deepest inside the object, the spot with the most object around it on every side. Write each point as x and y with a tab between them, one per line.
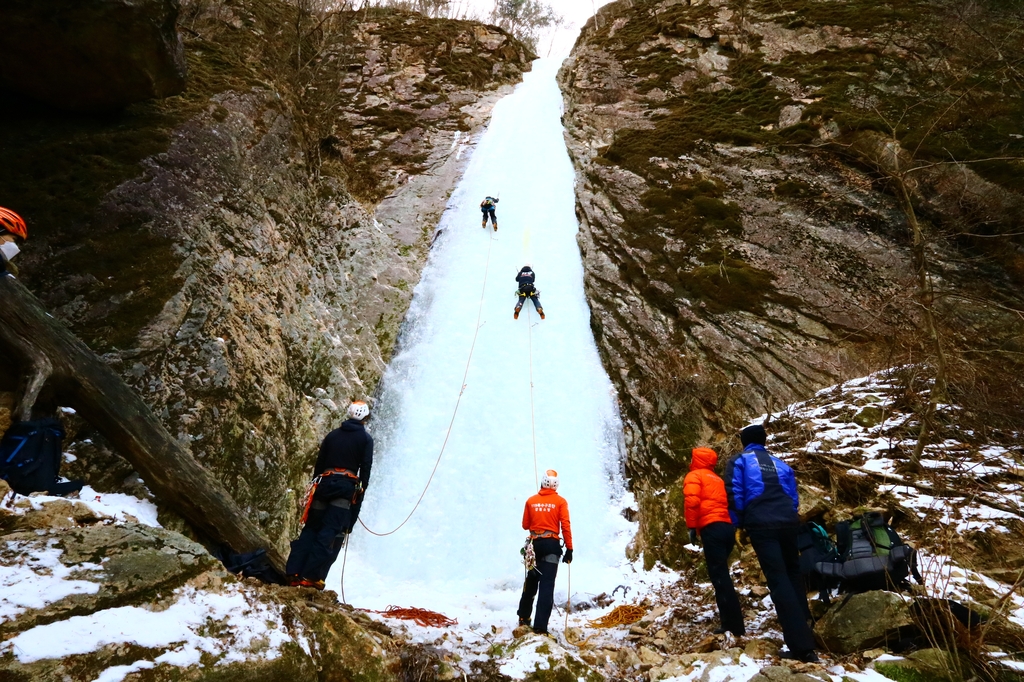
315	483
529	555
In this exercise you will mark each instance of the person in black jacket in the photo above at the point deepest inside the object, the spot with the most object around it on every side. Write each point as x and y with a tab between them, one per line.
526	290
340	479
763	500
487	207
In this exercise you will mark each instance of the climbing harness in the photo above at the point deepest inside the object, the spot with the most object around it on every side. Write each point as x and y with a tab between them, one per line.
422	617
544	534
315	483
620	615
448	433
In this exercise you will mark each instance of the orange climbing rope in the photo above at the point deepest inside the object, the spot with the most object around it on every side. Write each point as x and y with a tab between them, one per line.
620	615
424	617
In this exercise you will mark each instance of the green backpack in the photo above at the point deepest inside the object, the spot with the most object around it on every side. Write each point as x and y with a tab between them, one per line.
872	556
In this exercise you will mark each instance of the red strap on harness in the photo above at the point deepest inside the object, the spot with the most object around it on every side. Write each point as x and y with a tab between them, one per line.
311	488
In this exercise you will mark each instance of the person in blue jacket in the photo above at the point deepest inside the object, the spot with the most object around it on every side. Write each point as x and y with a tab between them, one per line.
763	500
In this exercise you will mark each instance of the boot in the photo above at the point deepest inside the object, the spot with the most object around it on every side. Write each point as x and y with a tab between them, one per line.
495	227
484	224
515	315
540	311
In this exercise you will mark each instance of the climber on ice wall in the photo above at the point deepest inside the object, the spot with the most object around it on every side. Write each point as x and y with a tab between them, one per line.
545	514
340	478
525	278
487	207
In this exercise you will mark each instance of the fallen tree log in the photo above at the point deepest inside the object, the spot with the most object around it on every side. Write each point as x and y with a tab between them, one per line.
56	359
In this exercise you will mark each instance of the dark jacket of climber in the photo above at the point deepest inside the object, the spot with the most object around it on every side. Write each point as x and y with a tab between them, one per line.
340	478
525	279
487	207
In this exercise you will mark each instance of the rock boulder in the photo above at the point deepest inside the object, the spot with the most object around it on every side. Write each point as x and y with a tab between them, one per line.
864	621
91	55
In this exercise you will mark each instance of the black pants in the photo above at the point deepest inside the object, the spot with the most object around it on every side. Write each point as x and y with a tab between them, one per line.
522	301
494	218
319	543
779	555
543	577
718	540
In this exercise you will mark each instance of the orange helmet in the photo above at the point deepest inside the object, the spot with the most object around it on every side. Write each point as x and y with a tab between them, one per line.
13	223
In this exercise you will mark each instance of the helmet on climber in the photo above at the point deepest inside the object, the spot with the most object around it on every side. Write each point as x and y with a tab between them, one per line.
12	231
358	410
549	480
12	223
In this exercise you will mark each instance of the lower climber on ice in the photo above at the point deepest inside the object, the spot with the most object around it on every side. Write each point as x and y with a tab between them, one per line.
340	478
545	514
526	290
487	207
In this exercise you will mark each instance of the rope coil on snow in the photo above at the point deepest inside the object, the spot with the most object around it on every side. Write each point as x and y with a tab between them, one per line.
627	614
423	617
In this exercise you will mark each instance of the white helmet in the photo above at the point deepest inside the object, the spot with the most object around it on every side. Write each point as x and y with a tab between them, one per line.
549	479
359	410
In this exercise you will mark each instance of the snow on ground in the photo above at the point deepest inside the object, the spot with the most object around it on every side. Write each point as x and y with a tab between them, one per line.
249	630
116	506
31	581
858	422
944	578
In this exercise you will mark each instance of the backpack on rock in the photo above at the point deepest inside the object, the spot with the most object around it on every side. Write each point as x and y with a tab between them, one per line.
816	547
30	458
872	556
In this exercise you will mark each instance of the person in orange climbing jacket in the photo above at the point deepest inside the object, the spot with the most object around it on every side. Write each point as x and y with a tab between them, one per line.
12	233
545	514
707	514
340	478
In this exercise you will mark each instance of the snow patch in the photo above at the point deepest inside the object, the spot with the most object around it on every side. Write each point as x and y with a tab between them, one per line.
247	629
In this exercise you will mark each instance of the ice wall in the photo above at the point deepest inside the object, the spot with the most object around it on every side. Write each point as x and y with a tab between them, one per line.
459	553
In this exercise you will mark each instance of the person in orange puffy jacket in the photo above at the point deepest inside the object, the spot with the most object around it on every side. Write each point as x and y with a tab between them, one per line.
544	515
707	513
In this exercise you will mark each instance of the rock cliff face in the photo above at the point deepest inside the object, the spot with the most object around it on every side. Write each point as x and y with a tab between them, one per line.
245	253
745	238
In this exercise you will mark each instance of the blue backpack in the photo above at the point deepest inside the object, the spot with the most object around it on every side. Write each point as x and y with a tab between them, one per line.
30	458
